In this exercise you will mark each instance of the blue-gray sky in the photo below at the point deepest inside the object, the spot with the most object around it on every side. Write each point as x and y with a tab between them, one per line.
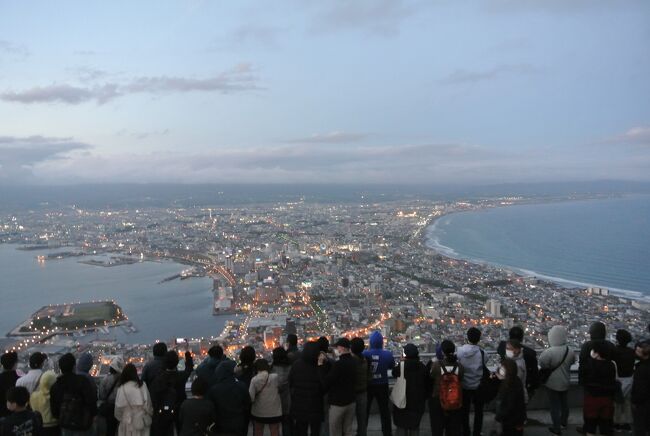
367	91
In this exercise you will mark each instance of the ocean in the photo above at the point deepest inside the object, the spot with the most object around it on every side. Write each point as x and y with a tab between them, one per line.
175	309
592	242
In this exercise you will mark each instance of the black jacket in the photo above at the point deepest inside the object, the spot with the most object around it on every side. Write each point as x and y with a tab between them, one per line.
600	378
75	384
174	378
597	333
625	359
641	383
510	408
339	379
206	370
196	415
152	369
21	423
305	385
7	380
231	400
417	390
532	366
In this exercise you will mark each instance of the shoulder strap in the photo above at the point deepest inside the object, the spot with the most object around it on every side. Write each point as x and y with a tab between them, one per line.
483	358
264	385
401	370
566	353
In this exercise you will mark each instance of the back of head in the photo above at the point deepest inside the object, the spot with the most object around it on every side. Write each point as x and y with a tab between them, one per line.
310	353
171	360
448	348
357	346
597	331
129	373
280	356
376	340
9	360
292	340
623	337
216	352
516	333
18	395
411	351
199	387
262	365
247	355
473	335
84	363
557	336
324	344
67	363
225	370
159	349
601	348
515	343
36	360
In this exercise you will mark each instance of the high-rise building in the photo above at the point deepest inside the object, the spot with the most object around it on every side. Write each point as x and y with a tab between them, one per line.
493	307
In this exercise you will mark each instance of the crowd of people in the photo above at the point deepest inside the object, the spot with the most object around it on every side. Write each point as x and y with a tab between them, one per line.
324	390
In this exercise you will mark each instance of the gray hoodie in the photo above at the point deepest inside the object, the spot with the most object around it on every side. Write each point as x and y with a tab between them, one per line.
472	360
552	356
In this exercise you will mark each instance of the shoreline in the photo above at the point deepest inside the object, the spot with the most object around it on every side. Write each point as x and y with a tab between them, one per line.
434	245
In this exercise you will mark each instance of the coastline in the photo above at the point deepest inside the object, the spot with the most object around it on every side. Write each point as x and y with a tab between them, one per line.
430	242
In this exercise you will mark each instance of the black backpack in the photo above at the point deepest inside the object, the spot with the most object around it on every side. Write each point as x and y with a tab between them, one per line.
74	414
165	398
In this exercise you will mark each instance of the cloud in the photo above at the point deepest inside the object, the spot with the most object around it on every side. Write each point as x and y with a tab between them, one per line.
466	76
252	34
331	138
13	48
635	136
240	78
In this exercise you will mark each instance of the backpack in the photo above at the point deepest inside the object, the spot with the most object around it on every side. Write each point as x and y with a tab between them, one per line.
165	398
451	391
74	415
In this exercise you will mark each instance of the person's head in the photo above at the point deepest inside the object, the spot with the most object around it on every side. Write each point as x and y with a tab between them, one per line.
448	349
9	361
37	360
17	398
557	336
216	352
599	350
170	360
85	363
517	333
623	337
292	340
247	356
342	346
324	344
199	388
129	373
67	363
473	335
280	356
513	348
357	346
411	351
642	350
159	349
116	366
507	370
310	353
597	331
262	365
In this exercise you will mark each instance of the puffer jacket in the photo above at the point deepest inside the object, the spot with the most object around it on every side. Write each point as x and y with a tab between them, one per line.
552	356
305	385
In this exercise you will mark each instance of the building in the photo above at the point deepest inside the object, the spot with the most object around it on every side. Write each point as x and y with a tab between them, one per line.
493	307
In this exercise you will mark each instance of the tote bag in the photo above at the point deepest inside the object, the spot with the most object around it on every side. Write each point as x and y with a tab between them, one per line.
398	394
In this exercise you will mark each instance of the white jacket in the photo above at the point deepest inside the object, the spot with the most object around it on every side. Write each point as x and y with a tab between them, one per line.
133	405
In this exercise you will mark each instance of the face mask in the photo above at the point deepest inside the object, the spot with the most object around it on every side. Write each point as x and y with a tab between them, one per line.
337	353
593	354
510	354
501	373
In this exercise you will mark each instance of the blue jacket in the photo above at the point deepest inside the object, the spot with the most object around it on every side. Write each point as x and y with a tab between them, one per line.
381	361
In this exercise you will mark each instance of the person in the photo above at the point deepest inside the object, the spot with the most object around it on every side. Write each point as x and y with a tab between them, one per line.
73	399
40	402
510	409
443	421
265	399
306	392
167	392
624	357
558	358
245	370
31	379
292	348
381	361
231	400
597	333
640	395
108	393
155	366
133	408
21	421
281	367
8	379
407	420
198	416
530	359
599	389
209	365
329	358
514	351
363	378
472	357
338	381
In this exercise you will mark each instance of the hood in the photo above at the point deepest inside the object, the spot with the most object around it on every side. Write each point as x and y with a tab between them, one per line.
310	353
557	336
225	371
468	350
47	380
84	363
598	331
376	340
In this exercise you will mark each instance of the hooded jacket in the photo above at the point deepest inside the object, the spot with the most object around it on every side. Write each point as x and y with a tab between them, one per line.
305	385
471	358
231	399
417	391
381	361
40	399
207	368
552	356
597	332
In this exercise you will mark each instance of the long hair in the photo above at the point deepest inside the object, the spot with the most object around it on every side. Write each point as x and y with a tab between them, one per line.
129	373
511	373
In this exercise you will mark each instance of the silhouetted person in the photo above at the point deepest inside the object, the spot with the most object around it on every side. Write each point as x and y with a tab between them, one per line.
306	392
625	358
21	421
292	348
338	382
281	367
30	380
133	408
640	396
530	359
447	422
73	400
472	357
232	401
245	369
8	379
198	415
599	388
510	408
266	404
153	367
40	402
364	377
407	420
168	393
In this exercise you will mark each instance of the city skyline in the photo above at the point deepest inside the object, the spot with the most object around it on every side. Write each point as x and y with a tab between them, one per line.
367	92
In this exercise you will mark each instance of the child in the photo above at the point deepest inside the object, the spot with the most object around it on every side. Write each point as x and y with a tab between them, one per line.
197	415
20	422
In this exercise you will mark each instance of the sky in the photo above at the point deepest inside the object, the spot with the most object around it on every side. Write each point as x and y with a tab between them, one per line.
324	91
